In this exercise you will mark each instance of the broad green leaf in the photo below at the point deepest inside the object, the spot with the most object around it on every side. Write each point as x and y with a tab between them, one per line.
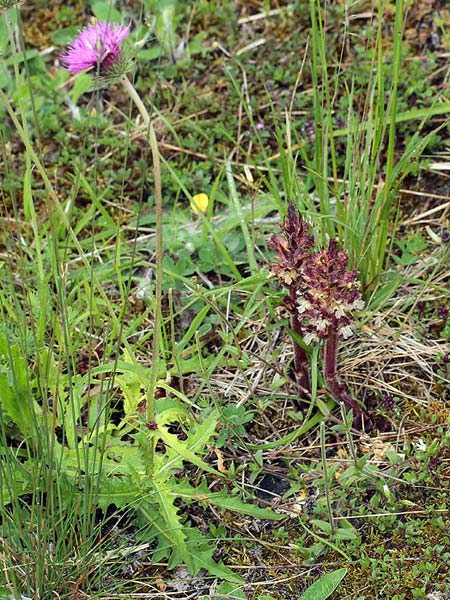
235	504
15	396
64	36
83	83
120	491
225	501
105	12
227	589
325	586
4	37
170	415
322	525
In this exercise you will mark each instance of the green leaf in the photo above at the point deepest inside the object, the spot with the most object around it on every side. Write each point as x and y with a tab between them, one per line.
322	525
105	12
325	586
235	504
168	523
15	389
184	451
83	83
225	501
119	491
64	36
228	589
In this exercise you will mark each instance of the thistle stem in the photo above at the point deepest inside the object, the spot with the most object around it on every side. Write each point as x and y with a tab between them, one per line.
136	99
157	331
335	385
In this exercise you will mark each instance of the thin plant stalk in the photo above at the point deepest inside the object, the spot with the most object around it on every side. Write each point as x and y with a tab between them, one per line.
326	476
157	333
150	410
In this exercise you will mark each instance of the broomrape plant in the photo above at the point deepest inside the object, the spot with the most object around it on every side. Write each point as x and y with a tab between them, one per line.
323	294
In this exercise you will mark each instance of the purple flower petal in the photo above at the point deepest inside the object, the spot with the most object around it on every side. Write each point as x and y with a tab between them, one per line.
97	46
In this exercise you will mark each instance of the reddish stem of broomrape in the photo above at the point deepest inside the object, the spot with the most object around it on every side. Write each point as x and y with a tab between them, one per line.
334	383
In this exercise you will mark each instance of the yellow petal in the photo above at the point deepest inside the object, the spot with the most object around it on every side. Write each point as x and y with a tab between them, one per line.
199	203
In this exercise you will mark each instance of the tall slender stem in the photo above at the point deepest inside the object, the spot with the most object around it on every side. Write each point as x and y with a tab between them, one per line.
326	476
136	99
150	411
151	390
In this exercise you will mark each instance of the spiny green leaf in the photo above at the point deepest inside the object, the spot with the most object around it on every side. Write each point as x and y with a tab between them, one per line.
184	451
225	501
168	523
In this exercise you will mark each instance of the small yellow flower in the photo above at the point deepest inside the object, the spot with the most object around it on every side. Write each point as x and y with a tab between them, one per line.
199	203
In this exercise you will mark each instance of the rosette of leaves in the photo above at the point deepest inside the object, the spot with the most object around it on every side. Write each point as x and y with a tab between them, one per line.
97	450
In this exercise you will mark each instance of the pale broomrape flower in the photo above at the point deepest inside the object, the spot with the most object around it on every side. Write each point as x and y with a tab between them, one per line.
293	248
97	47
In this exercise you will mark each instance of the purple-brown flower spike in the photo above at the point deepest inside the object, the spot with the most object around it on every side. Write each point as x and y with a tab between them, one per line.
328	294
292	247
323	295
97	47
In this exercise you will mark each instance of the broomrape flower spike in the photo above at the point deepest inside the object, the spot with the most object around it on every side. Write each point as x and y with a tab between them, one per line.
98	47
292	249
322	297
328	294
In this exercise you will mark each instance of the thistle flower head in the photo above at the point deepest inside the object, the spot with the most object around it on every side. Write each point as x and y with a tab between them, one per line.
328	294
292	247
97	47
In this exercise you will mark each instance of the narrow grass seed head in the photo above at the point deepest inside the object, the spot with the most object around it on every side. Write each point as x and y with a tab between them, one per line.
7	4
97	47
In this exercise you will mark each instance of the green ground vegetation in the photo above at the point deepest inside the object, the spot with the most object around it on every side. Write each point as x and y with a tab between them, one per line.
253	491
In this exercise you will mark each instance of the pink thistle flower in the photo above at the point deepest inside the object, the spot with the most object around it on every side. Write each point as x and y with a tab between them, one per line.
97	46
